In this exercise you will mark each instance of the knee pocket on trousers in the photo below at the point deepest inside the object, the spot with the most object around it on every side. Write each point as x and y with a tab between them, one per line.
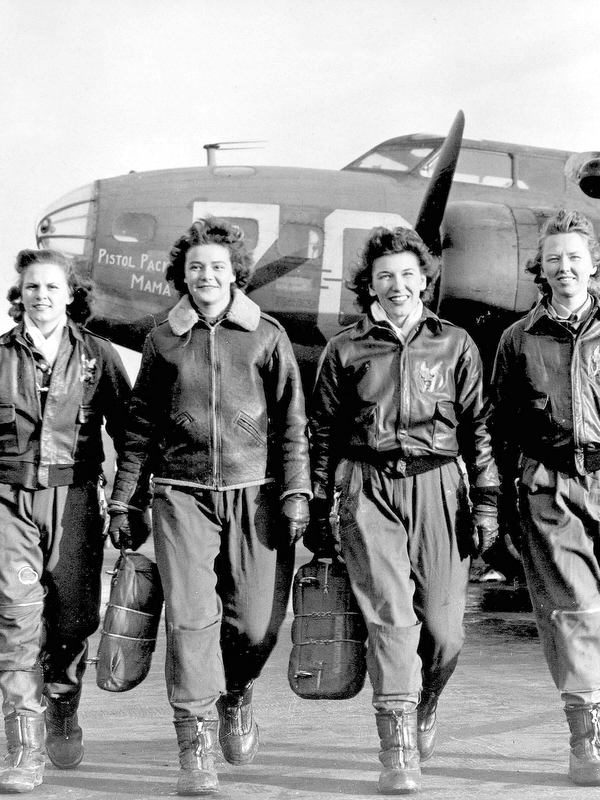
576	637
194	663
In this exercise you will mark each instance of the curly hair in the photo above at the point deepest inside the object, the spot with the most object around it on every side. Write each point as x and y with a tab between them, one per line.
210	231
386	241
82	289
565	221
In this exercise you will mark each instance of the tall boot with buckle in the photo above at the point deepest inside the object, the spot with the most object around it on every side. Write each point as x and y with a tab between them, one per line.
584	758
426	724
238	732
397	729
63	732
196	739
23	766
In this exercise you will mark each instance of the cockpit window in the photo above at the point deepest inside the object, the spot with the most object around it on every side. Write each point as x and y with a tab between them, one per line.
541	174
393	157
134	227
483	167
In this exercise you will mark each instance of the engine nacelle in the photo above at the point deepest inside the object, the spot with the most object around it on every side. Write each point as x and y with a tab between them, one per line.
584	170
486	247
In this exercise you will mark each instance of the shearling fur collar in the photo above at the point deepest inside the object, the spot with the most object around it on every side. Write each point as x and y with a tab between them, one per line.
242	312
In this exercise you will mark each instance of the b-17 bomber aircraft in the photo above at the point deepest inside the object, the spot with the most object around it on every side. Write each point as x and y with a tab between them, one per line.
478	205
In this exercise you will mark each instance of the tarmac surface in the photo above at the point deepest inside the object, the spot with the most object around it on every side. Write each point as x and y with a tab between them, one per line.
502	731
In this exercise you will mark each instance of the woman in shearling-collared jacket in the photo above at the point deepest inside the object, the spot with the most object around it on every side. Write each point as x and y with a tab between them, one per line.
546	391
398	399
58	384
218	407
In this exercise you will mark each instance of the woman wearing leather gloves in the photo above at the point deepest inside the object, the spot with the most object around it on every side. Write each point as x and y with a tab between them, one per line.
219	402
398	399
58	384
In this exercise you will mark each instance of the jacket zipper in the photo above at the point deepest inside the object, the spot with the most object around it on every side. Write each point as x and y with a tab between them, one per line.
213	402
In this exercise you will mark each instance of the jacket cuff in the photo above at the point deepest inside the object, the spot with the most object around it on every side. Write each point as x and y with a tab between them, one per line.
484	495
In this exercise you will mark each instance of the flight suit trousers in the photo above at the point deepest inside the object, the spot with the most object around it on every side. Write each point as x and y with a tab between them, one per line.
561	557
406	544
226	585
51	547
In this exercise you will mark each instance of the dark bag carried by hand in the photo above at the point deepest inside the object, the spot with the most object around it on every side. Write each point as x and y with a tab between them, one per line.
128	636
327	661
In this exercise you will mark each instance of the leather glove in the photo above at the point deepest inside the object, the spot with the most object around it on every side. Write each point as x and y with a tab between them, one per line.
295	511
485	528
128	530
320	538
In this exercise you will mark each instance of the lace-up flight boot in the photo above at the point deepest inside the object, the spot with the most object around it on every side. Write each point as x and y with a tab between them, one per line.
23	766
196	739
584	758
238	732
63	733
426	724
397	729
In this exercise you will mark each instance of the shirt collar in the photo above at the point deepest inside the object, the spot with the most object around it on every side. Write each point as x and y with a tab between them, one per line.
402	331
47	345
561	312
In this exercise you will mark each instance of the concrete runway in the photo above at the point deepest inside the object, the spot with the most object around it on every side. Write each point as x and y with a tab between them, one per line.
502	732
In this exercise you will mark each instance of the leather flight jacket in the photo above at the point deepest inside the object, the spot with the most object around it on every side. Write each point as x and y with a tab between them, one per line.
217	406
405	408
51	417
546	391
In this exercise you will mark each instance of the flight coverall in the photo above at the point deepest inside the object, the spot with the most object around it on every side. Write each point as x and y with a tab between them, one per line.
51	525
388	424
221	406
546	423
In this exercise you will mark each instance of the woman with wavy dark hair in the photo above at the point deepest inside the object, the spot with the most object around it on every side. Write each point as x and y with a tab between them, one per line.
398	399
219	400
58	384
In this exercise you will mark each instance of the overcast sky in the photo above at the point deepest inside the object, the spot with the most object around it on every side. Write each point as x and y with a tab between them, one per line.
93	89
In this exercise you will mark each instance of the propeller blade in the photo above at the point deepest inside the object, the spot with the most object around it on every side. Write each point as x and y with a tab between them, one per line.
433	206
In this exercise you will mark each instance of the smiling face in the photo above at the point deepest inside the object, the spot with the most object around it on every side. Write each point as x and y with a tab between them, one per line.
397	282
209	277
567	265
45	294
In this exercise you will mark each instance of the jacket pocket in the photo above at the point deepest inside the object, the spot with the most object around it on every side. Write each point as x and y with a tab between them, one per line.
9	440
444	426
247	424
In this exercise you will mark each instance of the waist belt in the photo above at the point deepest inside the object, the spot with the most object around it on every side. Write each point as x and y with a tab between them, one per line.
563	460
401	466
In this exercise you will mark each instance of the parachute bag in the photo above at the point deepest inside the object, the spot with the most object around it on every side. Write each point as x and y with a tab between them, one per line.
327	661
128	635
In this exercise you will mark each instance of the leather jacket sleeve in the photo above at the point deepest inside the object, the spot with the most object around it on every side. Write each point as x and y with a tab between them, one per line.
325	410
474	412
116	391
504	420
286	398
133	458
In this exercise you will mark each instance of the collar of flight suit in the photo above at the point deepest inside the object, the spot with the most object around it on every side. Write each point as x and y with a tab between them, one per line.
243	312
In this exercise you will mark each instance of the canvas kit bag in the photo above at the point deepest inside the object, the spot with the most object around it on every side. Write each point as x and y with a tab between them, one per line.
129	630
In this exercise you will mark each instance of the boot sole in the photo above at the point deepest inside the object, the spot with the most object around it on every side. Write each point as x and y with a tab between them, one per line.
64	764
21	788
